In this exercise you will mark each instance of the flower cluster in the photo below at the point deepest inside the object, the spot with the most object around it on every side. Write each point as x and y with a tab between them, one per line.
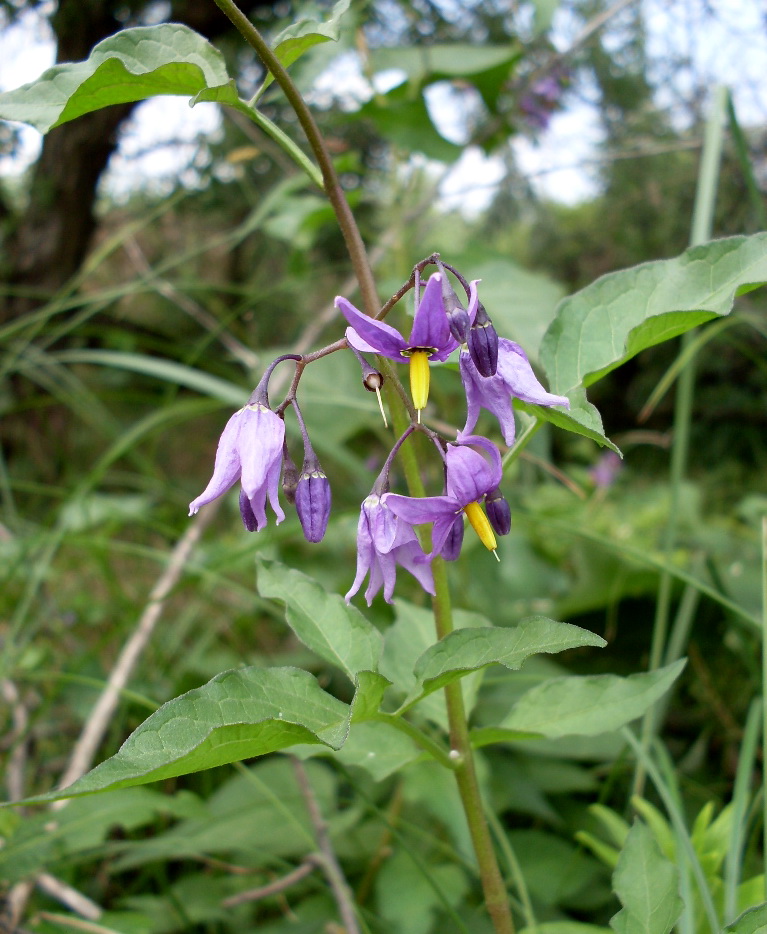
253	449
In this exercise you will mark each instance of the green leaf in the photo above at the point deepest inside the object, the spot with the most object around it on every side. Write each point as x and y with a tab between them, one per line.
753	921
410	635
582	418
589	705
565	927
378	748
337	632
300	36
467	650
368	696
648	886
409	900
444	60
239	714
622	313
130	66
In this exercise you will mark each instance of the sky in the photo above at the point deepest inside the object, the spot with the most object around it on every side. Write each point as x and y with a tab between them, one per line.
160	142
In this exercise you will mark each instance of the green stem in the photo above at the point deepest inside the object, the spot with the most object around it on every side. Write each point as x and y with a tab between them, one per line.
496	896
701	227
492	882
332	185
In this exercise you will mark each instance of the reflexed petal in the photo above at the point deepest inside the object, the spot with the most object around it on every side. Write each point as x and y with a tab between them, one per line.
452	547
382	524
491	393
378	336
430	326
365	553
260	447
226	471
417	510
248	516
515	370
411	557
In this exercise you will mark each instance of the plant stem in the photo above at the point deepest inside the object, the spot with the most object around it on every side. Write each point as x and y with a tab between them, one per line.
333	189
496	896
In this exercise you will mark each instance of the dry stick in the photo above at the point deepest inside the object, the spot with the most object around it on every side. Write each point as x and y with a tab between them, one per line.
306	868
14	775
68	896
101	715
326	857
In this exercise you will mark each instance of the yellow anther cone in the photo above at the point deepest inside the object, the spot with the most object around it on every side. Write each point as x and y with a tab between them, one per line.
481	525
419	379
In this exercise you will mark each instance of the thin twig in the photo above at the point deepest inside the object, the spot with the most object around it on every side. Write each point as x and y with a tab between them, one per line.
327	857
17	740
273	888
98	721
70	897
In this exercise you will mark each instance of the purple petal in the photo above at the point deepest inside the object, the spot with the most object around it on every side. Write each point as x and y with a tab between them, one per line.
452	547
260	447
431	327
378	336
226	471
365	553
249	519
515	370
412	559
490	392
418	510
469	475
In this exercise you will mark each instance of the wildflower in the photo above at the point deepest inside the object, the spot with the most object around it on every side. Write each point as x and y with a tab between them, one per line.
249	450
605	472
384	541
430	338
514	378
469	478
313	499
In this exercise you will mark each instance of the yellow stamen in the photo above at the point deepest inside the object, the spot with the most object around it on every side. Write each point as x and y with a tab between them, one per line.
481	525
419	379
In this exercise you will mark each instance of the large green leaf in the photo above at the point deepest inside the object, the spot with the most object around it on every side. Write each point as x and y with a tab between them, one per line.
239	714
337	632
752	921
622	313
468	650
589	705
130	66
647	883
302	35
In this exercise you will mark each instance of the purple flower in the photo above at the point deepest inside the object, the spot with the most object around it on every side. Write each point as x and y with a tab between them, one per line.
430	338
249	450
514	378
469	477
605	472
383	542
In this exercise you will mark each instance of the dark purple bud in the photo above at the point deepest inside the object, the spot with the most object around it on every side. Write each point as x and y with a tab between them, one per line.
498	512
313	502
289	476
452	547
483	343
457	316
246	511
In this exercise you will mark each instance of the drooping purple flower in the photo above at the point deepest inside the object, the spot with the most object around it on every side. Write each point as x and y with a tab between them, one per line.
249	450
469	478
384	541
514	378
313	500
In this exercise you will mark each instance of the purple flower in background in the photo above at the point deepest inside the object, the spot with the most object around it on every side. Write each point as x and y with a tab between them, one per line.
249	450
606	469
469	478
514	378
383	542
542	99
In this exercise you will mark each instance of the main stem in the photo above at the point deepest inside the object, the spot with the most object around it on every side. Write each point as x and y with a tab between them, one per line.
466	775
493	886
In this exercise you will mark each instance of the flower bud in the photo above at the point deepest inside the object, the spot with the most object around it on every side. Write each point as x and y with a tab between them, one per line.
313	501
452	547
483	343
498	511
457	316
